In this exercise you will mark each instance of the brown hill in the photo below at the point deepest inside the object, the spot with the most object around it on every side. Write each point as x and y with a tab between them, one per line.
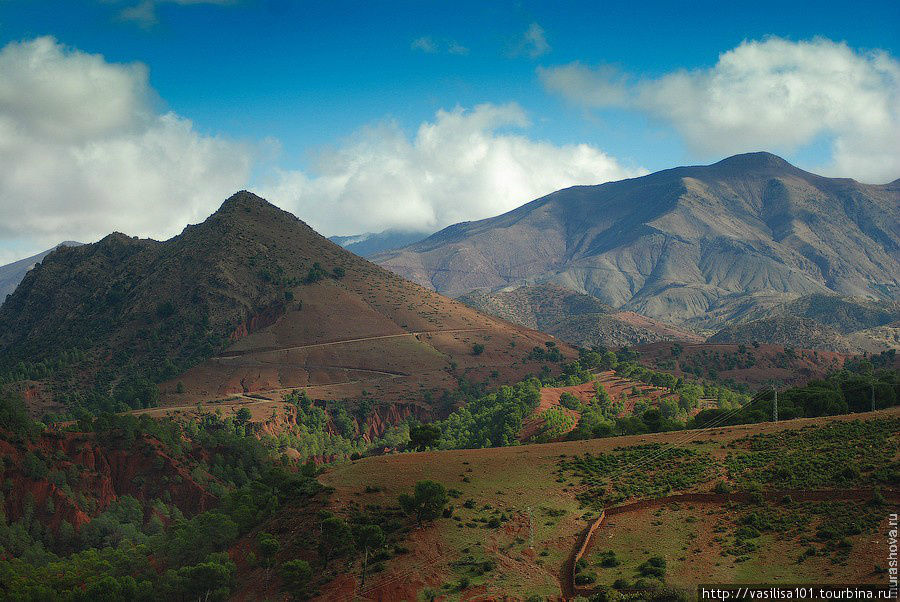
697	245
250	300
577	318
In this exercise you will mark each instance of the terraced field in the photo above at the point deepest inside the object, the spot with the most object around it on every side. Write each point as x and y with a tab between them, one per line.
625	390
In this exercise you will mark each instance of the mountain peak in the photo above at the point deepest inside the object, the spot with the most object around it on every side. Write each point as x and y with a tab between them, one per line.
758	160
245	209
244	199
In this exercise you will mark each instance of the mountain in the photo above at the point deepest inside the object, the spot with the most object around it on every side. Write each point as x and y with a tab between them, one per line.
700	246
576	318
251	300
370	243
11	274
823	322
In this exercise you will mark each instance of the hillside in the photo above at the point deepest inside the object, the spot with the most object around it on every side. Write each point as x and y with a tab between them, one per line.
822	322
756	365
624	397
13	273
576	318
251	300
519	513
698	246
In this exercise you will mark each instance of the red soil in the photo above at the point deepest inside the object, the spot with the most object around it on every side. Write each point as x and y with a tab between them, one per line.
143	470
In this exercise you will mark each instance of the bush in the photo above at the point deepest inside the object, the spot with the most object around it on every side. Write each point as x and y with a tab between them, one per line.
316	273
608	560
722	487
653	567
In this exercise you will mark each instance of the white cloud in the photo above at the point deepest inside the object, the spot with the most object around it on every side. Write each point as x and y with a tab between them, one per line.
144	12
425	44
602	86
533	43
464	165
83	152
766	95
429	45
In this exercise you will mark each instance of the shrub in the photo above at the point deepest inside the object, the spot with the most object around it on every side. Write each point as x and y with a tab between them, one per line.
653	567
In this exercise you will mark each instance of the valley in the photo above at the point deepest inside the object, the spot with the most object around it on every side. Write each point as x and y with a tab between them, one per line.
332	431
449	301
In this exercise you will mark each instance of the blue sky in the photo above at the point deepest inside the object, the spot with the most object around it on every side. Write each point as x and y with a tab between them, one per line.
295	84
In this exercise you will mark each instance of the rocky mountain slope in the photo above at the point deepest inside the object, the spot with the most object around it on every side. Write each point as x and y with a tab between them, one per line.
822	322
576	318
371	243
250	300
698	245
13	273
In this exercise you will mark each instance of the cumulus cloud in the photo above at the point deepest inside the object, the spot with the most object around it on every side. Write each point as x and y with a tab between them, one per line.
84	150
429	45
773	94
463	165
533	42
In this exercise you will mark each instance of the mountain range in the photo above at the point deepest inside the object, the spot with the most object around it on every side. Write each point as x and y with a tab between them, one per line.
250	301
576	318
371	243
699	247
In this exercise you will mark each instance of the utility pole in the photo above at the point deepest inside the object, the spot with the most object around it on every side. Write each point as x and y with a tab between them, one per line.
873	396
775	405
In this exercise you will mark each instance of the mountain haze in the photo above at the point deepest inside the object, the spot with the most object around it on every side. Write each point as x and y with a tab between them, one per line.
370	243
699	246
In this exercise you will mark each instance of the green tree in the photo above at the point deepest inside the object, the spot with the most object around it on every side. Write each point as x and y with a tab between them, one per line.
243	415
268	546
336	539
296	575
427	501
609	361
368	538
422	436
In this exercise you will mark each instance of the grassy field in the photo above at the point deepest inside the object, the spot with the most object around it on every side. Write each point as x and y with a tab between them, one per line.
516	518
697	541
